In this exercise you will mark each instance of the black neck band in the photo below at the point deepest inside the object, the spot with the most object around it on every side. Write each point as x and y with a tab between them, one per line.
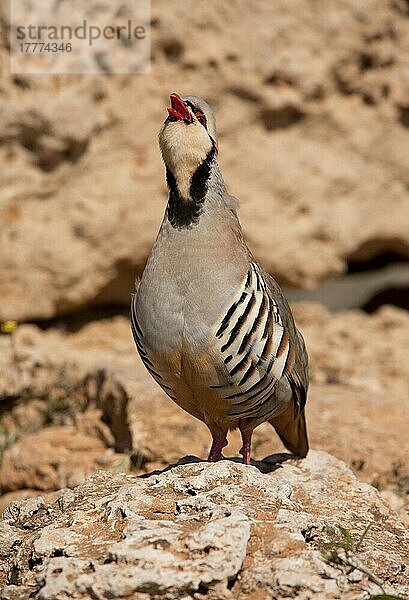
185	212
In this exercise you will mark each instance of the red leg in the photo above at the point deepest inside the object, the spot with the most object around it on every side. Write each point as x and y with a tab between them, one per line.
215	453
245	449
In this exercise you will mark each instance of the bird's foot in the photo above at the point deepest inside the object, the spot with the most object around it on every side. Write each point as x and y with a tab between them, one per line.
245	449
215	453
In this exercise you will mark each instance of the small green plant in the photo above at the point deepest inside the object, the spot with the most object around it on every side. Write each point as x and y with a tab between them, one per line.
344	544
385	597
342	551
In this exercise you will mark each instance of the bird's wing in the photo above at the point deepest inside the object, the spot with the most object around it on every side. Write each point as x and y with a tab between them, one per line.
147	360
259	345
296	368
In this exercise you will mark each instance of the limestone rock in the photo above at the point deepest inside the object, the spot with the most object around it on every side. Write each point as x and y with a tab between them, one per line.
53	458
221	530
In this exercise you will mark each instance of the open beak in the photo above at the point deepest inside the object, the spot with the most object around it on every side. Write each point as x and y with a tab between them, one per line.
178	109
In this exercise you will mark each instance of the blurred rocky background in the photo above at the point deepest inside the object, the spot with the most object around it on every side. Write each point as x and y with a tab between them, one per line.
312	103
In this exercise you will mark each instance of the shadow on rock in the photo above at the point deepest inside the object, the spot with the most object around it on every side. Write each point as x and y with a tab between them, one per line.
266	465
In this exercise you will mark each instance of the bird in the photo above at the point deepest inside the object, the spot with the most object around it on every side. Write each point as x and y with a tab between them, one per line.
211	326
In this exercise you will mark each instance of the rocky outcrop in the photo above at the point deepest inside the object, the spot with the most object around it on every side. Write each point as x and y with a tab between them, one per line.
313	119
201	530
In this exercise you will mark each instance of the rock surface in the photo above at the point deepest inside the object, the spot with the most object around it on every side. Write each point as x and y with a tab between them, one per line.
204	530
53	458
313	113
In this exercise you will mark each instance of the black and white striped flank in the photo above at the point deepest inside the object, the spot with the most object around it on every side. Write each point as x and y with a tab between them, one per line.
254	344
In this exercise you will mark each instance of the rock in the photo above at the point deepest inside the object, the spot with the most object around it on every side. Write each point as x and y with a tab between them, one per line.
9	497
220	530
352	348
319	104
72	413
53	458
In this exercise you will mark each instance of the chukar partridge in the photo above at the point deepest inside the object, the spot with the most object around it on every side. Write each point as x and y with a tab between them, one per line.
211	326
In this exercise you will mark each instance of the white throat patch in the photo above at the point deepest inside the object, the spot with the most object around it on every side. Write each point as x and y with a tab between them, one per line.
184	147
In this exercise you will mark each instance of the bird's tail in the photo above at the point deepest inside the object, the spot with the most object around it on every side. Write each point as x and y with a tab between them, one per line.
292	430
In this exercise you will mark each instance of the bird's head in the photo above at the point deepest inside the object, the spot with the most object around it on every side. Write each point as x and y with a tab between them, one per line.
187	137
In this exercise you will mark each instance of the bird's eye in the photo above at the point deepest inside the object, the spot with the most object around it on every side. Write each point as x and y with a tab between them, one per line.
201	118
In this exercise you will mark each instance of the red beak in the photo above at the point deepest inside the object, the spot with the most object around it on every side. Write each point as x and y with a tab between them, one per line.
178	109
